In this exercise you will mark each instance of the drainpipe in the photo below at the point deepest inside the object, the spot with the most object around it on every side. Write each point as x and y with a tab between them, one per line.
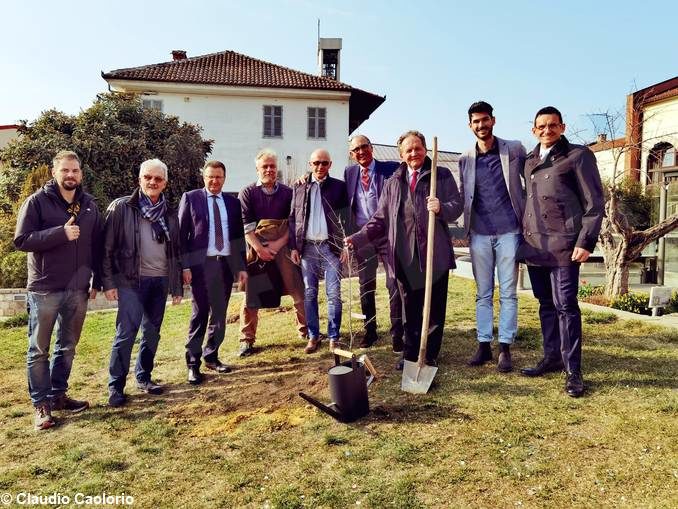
662	215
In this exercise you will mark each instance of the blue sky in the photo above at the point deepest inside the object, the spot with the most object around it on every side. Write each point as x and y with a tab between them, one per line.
430	58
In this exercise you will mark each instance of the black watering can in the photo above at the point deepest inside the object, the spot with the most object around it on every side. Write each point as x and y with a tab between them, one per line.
348	387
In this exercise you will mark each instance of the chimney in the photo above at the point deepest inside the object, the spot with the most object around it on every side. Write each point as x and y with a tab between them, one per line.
178	54
328	57
602	138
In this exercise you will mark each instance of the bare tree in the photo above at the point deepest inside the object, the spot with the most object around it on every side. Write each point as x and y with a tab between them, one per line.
620	242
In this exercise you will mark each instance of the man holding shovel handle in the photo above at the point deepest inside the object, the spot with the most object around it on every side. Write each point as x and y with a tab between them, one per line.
402	218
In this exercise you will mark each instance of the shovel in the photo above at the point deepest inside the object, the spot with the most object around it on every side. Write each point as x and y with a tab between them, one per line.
417	376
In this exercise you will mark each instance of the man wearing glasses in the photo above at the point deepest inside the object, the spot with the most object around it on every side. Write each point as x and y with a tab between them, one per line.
562	219
364	183
213	247
141	264
317	228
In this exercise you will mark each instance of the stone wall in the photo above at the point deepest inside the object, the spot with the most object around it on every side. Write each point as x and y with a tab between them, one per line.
13	301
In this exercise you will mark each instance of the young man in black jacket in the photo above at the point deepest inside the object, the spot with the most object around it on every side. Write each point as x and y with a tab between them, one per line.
59	226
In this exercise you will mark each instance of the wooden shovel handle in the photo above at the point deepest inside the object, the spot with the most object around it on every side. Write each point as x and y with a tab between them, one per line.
429	258
343	353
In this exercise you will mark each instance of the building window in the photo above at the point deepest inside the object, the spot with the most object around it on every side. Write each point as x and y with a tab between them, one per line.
272	121
152	104
662	155
317	120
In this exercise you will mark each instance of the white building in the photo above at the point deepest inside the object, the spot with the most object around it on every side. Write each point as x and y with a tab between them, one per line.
245	104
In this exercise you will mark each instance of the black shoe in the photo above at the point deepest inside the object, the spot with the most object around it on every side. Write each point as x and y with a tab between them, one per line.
504	364
217	366
194	376
398	345
543	366
246	349
482	355
369	339
63	402
431	362
400	364
574	385
116	398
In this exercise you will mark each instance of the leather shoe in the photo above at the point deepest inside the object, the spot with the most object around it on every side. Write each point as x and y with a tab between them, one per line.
369	339
543	366
482	355
574	385
431	362
312	345
504	364
217	366
194	376
398	345
400	364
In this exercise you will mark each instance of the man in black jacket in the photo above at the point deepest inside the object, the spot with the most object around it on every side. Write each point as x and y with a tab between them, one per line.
59	226
141	264
561	223
317	227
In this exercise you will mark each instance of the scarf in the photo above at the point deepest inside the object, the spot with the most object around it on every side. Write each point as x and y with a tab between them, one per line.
156	215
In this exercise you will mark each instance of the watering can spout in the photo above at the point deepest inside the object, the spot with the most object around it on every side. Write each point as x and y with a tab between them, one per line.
320	406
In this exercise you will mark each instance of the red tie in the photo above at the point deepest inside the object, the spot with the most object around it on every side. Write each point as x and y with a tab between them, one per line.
365	178
413	182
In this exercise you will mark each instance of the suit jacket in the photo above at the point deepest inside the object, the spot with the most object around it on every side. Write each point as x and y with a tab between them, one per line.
382	171
565	204
512	157
194	230
384	222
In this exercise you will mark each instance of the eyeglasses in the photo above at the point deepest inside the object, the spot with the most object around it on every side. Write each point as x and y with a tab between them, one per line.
154	178
542	127
321	163
357	149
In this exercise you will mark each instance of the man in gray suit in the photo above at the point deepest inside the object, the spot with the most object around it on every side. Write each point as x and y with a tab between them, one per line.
492	188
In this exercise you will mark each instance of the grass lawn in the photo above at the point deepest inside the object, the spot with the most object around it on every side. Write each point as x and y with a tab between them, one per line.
477	439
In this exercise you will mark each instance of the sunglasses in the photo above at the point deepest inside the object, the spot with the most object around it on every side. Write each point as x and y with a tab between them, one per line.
149	178
320	163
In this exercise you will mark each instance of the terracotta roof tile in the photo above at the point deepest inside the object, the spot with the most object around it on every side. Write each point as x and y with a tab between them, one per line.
226	68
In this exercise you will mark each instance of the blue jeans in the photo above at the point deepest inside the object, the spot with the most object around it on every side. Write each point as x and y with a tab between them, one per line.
143	307
66	310
487	253
316	260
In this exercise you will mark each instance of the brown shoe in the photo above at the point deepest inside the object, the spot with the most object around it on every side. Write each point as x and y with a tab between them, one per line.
43	417
334	343
504	364
482	355
63	402
312	345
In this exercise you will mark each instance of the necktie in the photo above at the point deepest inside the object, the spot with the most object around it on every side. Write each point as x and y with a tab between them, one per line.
414	180
365	178
218	230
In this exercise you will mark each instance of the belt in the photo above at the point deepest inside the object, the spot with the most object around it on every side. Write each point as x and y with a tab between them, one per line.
217	257
316	242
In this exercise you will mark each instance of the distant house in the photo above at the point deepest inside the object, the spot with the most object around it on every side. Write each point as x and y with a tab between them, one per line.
245	104
648	154
8	133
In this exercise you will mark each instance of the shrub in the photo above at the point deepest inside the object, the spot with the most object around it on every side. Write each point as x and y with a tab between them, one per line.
19	320
13	270
632	302
587	290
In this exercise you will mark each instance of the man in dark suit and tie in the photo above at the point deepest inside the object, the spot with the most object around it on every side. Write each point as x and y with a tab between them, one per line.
213	246
364	183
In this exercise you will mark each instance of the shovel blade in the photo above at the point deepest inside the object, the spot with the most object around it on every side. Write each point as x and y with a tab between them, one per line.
417	380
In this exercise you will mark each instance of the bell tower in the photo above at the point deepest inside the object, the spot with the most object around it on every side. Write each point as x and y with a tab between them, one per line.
329	50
